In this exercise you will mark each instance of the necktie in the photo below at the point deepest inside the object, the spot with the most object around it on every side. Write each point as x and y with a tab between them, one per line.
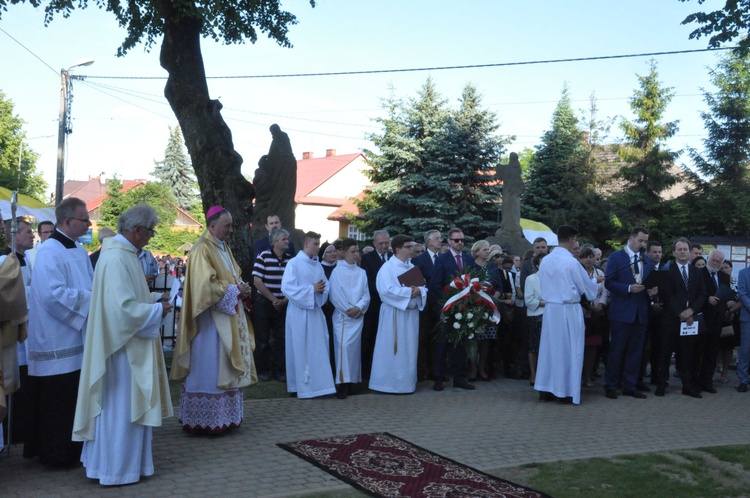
716	280
459	263
434	257
382	257
684	277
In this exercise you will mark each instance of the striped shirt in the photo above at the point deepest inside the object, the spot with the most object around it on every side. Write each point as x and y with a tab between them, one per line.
269	268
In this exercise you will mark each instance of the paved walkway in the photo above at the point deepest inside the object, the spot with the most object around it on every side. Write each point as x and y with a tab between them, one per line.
501	424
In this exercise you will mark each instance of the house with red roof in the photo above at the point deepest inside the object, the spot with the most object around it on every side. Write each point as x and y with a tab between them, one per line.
94	190
325	189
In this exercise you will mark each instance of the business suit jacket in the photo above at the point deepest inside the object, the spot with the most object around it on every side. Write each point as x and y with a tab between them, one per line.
446	270
427	267
711	313
677	298
743	291
626	307
371	264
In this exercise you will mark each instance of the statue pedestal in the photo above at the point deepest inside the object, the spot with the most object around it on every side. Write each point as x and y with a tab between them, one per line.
512	241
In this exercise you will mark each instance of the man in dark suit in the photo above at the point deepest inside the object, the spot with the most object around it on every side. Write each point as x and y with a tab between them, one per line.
627	270
717	284
429	317
684	295
371	263
650	355
447	266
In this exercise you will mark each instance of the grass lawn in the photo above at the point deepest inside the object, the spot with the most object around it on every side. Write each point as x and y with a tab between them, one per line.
705	472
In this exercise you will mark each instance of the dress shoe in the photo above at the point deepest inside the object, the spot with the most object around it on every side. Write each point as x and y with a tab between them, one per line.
693	393
634	394
565	401
641	386
742	388
708	389
545	396
660	390
438	385
264	376
611	394
342	391
463	384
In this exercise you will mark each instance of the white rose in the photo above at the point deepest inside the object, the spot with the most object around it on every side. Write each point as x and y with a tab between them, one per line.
486	316
469	315
456	325
458	316
471	336
471	325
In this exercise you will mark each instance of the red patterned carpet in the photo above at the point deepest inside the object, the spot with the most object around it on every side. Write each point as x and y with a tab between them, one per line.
381	464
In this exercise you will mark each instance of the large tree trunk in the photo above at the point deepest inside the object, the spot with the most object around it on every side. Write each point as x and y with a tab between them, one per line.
208	138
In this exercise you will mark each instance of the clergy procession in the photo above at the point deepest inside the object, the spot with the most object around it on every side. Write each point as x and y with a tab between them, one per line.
83	377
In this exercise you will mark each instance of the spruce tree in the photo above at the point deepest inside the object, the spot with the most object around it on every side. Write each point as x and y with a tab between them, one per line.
558	180
175	170
718	204
113	205
646	173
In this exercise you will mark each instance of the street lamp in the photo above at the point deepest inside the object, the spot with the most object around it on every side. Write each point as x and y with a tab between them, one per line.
64	127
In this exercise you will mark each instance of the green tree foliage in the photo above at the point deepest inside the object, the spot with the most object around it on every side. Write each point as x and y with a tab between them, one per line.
724	25
27	180
113	205
175	170
719	203
436	166
646	173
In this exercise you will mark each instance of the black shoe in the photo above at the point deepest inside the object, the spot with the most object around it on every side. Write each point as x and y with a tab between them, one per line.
709	389
342	391
742	388
438	385
693	393
545	396
660	390
565	401
634	394
463	384
264	376
611	394
641	386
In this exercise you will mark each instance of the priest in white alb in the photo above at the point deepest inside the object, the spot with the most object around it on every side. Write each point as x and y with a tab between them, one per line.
58	311
123	392
563	281
350	297
394	364
308	368
214	347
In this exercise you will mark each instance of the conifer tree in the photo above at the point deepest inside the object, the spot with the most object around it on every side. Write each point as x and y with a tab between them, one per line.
175	170
646	174
113	205
719	203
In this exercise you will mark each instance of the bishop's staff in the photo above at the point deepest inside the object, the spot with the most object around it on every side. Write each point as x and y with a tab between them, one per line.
13	233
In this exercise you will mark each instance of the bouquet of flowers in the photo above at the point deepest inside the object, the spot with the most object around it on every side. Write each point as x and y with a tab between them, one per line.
467	310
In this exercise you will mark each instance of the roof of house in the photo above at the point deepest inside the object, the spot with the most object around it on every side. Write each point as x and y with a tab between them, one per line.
349	207
314	172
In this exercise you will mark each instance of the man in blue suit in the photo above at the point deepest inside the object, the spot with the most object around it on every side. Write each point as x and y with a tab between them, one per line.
743	356
447	267
627	270
429	317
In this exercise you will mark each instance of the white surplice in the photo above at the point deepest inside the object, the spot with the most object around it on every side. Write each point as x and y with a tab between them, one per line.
348	290
59	305
563	280
123	391
394	363
308	369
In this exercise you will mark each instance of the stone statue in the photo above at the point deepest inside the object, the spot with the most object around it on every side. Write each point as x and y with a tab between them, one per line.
510	235
275	184
513	188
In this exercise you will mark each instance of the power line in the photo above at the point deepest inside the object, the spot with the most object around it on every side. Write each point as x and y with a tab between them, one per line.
436	68
29	51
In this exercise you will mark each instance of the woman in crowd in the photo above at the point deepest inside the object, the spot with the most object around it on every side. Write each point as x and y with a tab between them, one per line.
534	309
488	271
699	262
594	316
729	341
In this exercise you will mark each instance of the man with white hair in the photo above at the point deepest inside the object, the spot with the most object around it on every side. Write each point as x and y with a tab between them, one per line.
104	233
718	291
123	391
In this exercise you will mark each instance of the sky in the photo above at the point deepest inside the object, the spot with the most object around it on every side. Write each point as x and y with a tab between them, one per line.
120	124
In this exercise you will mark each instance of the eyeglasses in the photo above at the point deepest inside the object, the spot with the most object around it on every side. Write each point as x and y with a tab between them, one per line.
457	240
151	231
85	220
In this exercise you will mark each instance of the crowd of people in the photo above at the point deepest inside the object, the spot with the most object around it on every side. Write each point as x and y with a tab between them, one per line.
90	381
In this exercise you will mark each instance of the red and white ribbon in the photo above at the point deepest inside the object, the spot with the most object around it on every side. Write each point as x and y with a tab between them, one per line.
468	286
